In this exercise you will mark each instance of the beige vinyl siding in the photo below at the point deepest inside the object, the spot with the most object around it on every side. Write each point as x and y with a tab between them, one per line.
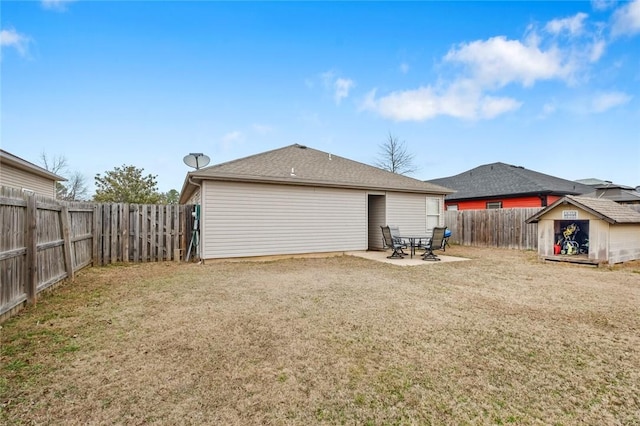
247	219
20	179
409	212
624	242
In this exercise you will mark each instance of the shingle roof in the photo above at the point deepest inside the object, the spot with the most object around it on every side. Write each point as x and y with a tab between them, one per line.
607	210
500	179
621	196
299	165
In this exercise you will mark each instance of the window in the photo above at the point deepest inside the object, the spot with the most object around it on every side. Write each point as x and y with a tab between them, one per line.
433	212
452	207
494	205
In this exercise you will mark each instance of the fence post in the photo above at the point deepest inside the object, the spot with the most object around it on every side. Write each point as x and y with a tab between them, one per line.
124	232
31	242
97	231
66	236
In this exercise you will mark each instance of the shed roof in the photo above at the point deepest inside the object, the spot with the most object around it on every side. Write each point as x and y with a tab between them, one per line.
605	209
500	179
300	165
19	163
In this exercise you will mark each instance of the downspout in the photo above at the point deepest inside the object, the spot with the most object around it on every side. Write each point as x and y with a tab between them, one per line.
196	184
544	201
195	236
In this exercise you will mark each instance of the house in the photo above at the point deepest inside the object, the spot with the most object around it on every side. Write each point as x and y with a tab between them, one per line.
588	230
605	189
500	185
21	174
297	200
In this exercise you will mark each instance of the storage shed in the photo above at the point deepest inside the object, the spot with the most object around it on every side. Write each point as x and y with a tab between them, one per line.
297	200
588	230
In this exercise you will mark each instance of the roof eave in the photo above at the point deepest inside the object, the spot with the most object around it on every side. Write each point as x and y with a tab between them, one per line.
24	165
566	200
512	195
307	182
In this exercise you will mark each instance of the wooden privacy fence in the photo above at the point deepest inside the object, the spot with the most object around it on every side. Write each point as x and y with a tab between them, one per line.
44	241
505	228
140	233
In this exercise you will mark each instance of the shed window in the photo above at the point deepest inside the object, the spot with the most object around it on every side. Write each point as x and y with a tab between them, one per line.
494	205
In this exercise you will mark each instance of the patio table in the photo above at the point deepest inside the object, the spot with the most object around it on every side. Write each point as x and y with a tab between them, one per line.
412	241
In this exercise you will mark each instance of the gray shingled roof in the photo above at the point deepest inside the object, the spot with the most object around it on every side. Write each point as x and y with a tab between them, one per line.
500	179
299	165
607	210
621	196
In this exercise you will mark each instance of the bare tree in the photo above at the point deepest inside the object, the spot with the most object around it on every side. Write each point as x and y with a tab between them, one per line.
394	157
57	165
75	188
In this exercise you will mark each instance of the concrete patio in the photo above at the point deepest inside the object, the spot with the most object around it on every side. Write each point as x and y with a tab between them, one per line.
381	256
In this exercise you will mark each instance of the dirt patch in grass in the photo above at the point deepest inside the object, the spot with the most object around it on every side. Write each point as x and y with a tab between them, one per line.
502	338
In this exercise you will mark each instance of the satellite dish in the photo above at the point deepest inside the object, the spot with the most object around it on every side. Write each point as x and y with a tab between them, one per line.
196	160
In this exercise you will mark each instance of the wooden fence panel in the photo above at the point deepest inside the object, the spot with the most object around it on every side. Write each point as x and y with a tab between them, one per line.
504	228
142	233
43	241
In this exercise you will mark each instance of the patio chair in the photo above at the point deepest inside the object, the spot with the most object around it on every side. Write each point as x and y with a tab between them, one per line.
389	243
395	235
435	243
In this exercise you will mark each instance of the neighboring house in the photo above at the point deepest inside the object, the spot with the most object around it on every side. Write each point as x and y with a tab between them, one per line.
500	185
621	194
21	174
296	200
604	231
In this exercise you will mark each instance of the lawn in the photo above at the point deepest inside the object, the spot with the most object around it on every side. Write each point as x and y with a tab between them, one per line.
500	339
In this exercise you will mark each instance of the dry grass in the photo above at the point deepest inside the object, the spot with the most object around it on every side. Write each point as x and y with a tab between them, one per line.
500	339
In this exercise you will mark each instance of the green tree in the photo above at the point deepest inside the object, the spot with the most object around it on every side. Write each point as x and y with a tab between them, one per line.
171	197
126	184
395	158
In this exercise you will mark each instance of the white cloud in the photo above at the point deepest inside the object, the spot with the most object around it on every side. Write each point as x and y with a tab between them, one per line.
626	19
498	61
603	4
490	107
597	50
483	70
460	100
339	86
342	87
605	101
11	38
59	5
573	25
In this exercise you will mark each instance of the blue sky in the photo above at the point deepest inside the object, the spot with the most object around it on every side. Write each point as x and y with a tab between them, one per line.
551	86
